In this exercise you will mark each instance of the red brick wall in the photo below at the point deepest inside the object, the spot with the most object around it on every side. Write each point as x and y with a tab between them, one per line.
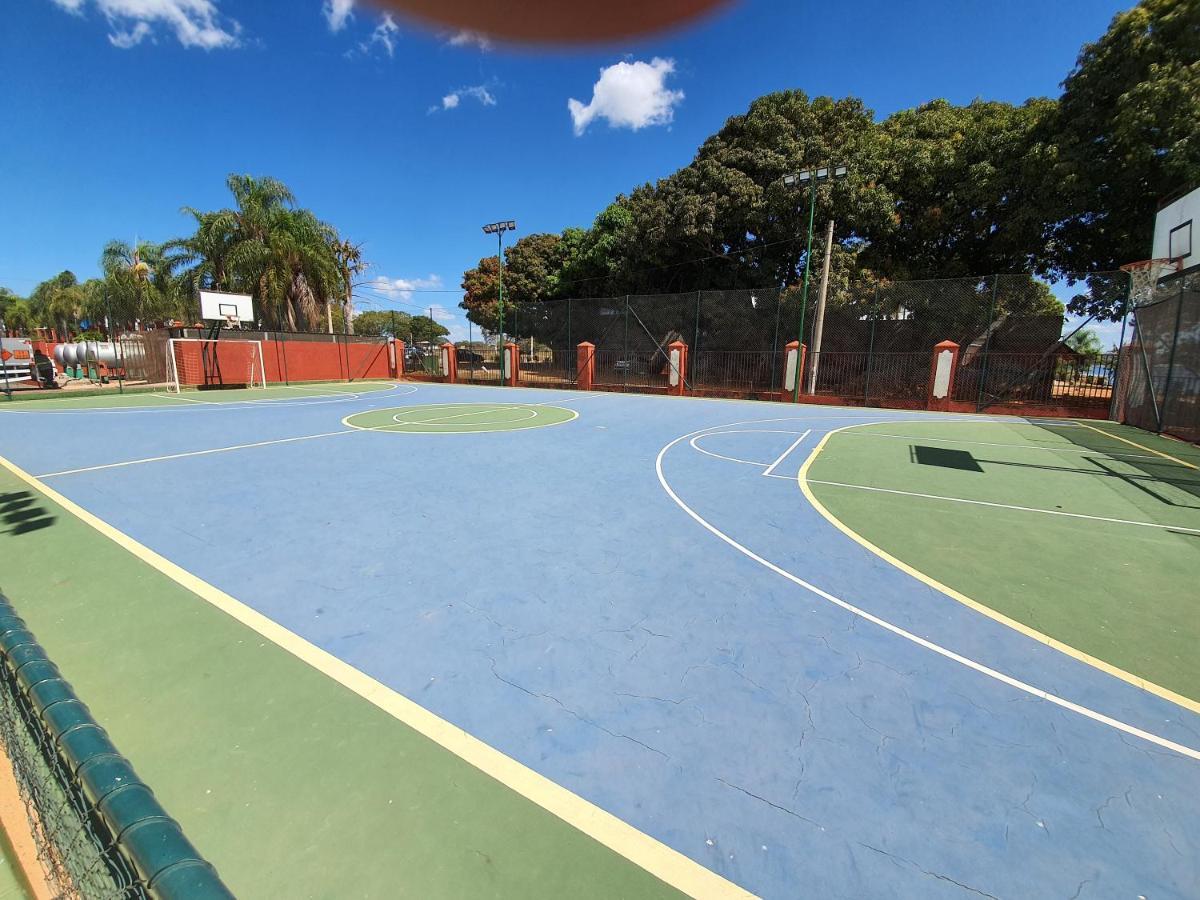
285	360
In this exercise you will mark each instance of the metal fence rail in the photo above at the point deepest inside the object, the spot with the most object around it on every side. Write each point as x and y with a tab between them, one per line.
98	830
876	347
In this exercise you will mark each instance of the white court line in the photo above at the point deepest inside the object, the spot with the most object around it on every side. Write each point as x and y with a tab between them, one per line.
436	420
747	462
940	440
150	459
900	632
1034	509
771	468
227	405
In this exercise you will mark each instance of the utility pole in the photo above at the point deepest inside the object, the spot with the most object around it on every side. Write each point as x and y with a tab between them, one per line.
819	322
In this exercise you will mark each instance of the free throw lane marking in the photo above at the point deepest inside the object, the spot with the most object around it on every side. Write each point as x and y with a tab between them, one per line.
896	629
1032	509
1040	637
150	459
784	455
668	865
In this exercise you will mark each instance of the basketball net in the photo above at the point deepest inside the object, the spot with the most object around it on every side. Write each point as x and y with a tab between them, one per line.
1144	277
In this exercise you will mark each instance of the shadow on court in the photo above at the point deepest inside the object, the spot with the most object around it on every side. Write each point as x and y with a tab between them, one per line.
1150	469
20	512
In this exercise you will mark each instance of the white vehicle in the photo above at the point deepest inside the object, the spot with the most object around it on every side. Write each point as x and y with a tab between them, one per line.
16	357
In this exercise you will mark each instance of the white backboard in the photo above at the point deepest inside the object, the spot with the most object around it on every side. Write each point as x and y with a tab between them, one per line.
215	305
1177	230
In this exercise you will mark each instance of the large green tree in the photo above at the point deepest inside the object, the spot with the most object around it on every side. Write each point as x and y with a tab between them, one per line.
1127	135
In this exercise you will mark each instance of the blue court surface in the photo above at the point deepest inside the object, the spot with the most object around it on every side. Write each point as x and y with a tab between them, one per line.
625	604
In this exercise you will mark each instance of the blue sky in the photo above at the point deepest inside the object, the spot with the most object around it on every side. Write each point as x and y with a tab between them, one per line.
409	139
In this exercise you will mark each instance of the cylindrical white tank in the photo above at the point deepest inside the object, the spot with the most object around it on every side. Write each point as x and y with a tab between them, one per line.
106	351
80	352
68	354
58	354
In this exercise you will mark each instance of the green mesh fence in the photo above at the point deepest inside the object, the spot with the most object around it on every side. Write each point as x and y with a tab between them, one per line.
875	342
1160	368
98	830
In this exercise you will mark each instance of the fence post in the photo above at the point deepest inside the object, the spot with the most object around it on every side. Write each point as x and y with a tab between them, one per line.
449	363
585	365
398	346
511	372
677	356
696	335
793	368
987	346
942	371
625	349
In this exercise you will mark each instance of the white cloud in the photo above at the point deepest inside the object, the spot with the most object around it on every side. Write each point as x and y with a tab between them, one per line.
127	39
195	23
402	288
629	95
384	35
479	92
337	13
467	38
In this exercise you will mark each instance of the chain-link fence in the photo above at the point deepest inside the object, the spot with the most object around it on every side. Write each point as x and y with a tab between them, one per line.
1160	366
875	342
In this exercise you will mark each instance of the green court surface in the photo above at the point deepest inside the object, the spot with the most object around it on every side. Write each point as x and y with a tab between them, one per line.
112	399
245	744
461	418
1073	532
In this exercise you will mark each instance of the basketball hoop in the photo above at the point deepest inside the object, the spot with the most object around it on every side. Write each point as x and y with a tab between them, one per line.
232	321
1144	276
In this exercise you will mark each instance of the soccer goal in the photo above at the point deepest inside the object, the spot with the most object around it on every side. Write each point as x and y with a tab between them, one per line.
209	362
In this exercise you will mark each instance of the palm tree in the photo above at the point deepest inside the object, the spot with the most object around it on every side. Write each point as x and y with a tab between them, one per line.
266	246
350	264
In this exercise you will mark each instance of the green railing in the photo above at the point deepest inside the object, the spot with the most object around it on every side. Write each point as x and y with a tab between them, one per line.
98	829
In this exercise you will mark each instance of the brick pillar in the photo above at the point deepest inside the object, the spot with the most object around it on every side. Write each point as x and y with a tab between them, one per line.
943	369
397	360
449	363
793	368
512	368
677	353
585	365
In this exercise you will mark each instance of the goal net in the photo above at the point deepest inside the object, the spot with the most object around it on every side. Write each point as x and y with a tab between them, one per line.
203	362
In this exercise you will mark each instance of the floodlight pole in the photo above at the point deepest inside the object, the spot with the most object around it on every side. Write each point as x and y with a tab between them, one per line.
812	211
500	291
813	177
499	228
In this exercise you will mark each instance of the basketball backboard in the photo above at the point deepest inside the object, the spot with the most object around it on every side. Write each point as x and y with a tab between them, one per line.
1177	230
218	306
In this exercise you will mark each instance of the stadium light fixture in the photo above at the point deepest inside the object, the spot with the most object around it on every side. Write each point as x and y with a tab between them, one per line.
820	176
498	229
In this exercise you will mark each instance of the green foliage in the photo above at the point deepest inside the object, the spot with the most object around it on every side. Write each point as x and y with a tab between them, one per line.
410	329
1126	133
1086	343
1047	187
293	264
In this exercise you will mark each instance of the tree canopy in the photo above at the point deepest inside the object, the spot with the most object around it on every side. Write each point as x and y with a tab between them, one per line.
1058	188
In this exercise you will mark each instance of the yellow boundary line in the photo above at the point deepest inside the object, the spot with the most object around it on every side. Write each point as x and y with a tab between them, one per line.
1040	637
1140	446
668	865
